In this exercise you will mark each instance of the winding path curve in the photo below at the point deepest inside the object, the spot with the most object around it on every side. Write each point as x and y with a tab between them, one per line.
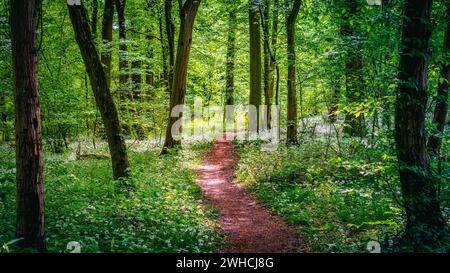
250	227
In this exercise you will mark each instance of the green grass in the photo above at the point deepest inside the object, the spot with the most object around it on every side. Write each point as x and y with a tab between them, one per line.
163	213
337	203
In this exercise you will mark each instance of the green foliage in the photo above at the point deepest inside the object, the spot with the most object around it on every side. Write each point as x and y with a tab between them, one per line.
162	213
338	203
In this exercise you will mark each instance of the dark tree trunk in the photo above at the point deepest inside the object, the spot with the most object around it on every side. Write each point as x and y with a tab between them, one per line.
424	222
441	108
231	55
291	18
29	154
136	78
268	69
353	125
187	15
123	49
107	37
165	73
255	62
4	117
94	18
149	74
334	107
101	90
170	30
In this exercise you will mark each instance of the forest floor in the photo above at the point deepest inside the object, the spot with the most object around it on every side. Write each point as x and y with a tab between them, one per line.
249	226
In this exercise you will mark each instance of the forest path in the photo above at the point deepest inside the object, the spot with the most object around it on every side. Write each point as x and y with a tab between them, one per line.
250	227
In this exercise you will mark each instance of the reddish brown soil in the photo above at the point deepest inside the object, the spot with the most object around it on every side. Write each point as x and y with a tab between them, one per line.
249	227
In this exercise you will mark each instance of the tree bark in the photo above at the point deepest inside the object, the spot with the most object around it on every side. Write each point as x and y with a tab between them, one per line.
94	19
136	78
170	30
165	72
187	15
107	37
293	8
29	153
353	126
441	108
255	62
231	56
123	49
424	221
102	94
268	69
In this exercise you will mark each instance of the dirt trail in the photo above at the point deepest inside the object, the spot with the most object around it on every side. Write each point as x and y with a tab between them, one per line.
250	227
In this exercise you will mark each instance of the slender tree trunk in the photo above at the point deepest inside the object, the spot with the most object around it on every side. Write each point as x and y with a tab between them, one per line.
424	220
255	62
107	37
334	107
29	153
275	20
102	94
136	78
149	74
123	49
293	8
354	126
441	108
231	55
165	73
94	19
268	69
4	117
187	15
170	30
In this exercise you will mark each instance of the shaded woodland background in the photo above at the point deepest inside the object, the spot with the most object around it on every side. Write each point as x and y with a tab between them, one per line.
363	93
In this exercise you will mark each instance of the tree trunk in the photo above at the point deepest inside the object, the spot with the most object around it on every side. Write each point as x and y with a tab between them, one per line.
94	19
4	117
291	18
424	220
136	78
165	72
231	55
187	15
255	62
170	30
353	126
268	70
441	108
107	37
29	153
101	90
123	49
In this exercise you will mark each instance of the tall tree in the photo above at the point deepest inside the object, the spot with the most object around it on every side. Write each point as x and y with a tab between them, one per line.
94	19
255	60
165	72
107	37
424	221
441	108
265	19
292	10
170	31
231	56
188	12
123	49
354	123
100	87
29	153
